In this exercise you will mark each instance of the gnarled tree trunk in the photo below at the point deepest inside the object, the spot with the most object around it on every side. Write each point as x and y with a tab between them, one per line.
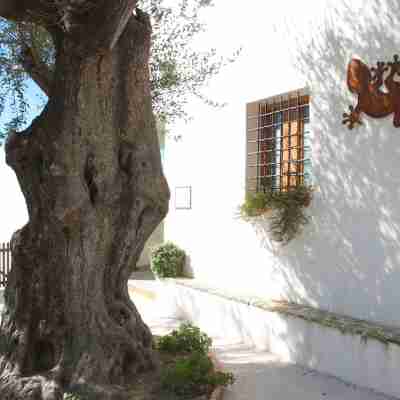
89	167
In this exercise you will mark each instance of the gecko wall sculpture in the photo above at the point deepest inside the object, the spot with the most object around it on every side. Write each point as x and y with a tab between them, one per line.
378	91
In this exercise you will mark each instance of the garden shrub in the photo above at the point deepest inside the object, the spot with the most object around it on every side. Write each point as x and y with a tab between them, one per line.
186	339
167	261
194	375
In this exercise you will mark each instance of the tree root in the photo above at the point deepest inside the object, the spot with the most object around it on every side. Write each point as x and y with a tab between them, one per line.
41	387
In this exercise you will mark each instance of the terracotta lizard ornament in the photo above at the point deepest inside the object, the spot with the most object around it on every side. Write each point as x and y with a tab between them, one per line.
372	99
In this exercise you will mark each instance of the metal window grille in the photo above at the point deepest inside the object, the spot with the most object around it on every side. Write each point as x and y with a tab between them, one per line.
278	142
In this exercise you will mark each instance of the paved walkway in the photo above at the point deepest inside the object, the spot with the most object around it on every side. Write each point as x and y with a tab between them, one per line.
261	375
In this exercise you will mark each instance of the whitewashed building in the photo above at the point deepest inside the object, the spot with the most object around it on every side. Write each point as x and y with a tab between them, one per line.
347	260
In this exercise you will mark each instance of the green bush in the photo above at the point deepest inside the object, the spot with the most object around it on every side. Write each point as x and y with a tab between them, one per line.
290	216
256	204
167	261
193	376
186	339
70	396
287	216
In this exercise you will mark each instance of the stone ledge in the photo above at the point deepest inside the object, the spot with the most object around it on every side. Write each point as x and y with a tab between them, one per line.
345	324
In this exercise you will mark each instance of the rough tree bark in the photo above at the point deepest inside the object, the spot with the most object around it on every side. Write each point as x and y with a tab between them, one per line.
90	170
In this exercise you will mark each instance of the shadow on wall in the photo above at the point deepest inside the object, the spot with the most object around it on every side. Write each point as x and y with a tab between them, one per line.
348	259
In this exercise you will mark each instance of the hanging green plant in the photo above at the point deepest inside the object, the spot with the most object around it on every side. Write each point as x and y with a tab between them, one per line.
285	210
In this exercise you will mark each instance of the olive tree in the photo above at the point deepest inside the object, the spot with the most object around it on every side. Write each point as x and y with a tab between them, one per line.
90	171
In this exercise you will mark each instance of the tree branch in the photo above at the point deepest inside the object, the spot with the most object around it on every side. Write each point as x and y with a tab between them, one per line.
32	10
37	70
108	22
95	24
9	9
118	23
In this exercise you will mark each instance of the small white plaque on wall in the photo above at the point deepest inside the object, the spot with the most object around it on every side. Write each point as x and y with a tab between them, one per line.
183	198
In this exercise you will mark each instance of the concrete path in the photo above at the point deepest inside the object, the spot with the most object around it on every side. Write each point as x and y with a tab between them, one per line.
261	375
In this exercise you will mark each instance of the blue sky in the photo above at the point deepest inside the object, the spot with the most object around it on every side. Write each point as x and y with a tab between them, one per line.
34	95
12	204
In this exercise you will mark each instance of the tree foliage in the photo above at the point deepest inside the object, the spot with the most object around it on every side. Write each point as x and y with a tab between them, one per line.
14	39
177	71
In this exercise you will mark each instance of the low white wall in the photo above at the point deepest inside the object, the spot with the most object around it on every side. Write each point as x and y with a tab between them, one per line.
366	363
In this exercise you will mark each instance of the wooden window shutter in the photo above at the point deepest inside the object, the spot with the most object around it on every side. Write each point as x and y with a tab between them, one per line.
252	147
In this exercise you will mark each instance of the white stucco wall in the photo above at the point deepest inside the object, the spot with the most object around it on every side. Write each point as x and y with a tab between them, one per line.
348	258
13	211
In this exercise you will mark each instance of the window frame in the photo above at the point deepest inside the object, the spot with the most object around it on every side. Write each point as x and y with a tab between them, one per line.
278	119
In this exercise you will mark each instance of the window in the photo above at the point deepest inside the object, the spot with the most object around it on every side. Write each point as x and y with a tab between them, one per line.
183	198
278	143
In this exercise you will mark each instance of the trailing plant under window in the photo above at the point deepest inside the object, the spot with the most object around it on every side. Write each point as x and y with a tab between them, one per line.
285	210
